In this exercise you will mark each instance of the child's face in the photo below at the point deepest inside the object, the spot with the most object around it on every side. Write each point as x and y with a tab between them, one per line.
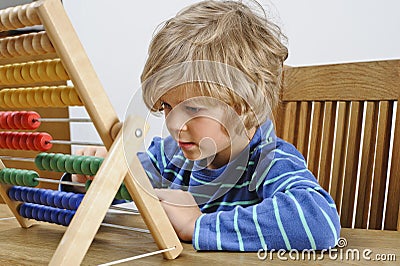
196	124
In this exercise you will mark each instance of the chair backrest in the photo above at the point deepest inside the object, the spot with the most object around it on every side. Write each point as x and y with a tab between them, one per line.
345	120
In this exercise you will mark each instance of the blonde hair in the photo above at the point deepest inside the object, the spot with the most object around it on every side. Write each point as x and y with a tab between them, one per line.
234	53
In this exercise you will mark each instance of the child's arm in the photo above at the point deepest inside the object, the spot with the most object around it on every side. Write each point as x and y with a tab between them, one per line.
295	213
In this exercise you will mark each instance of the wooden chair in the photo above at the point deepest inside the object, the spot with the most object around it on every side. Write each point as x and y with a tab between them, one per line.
345	120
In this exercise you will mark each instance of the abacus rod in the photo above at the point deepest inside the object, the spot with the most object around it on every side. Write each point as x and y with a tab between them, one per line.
73	120
118	208
80	143
10	158
60	182
126	228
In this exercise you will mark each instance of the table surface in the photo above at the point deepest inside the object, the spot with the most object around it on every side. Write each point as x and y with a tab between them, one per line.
36	245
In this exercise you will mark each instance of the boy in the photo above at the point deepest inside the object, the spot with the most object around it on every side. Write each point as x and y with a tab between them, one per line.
224	179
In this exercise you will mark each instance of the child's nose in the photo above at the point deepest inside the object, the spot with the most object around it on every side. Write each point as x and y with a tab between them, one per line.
176	122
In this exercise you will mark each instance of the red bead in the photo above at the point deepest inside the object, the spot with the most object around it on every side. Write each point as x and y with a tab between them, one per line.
10	120
31	120
3	140
3	120
42	141
15	142
23	141
17	119
9	138
30	141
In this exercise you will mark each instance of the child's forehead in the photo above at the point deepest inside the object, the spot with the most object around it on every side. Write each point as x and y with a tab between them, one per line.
184	92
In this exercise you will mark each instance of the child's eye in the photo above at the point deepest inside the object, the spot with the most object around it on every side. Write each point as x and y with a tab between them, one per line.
165	106
192	110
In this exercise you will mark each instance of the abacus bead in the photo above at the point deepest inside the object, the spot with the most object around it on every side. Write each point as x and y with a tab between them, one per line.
15	142
17	119
40	210
19	178
9	139
46	161
61	163
30	141
30	120
13	176
47	214
29	211
36	195
125	193
61	217
118	195
23	193
11	193
30	179
30	195
3	120
58	199
10	121
65	200
50	198
22	210
23	141
69	163
87	184
1	176
44	196
39	160
54	215
85	166
6	176
76	165
68	217
95	165
42	141
53	162
75	201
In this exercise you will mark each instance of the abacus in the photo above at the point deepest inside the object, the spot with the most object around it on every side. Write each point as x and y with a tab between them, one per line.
36	73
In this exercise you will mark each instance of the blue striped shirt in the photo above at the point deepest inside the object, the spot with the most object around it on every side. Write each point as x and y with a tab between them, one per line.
265	198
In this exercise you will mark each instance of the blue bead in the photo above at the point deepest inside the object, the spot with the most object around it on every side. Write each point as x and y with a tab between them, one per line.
65	200
57	199
22	209
28	210
61	217
54	215
11	193
68	217
40	210
23	194
29	195
36	195
34	211
50	198
47	214
75	201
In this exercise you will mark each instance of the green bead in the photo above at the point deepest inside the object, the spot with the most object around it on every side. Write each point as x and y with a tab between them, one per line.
77	164
85	166
13	176
7	174
95	165
39	159
61	163
1	176
119	196
125	193
46	161
87	184
30	179
19	177
69	168
53	162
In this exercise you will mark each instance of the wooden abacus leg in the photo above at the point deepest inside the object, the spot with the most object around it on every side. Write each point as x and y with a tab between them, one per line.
87	220
13	205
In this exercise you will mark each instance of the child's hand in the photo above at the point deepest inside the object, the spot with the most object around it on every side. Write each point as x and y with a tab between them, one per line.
88	151
182	211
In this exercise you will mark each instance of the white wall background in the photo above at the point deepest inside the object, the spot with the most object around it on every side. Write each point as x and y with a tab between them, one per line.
116	35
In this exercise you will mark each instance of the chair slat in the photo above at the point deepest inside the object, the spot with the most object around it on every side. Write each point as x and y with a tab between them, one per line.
316	138
340	148
289	122
303	127
381	164
392	214
351	170
367	162
327	145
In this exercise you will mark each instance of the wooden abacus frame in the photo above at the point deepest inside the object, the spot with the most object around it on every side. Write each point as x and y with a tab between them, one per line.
115	168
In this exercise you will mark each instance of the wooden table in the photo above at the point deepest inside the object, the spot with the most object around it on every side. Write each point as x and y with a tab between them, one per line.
36	245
